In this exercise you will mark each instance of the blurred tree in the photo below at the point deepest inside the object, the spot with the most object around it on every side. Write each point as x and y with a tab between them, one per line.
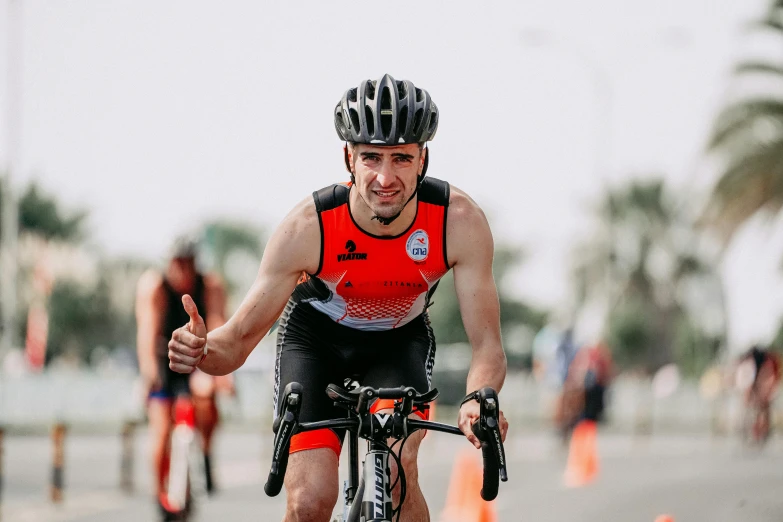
41	214
234	250
447	321
747	138
643	265
80	319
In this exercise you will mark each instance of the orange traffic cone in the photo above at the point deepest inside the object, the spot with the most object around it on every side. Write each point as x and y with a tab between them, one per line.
463	501
582	466
664	518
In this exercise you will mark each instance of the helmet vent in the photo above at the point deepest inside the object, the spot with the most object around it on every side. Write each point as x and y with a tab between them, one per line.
368	116
402	120
354	120
352	95
417	122
419	95
338	119
402	91
433	122
386	113
370	90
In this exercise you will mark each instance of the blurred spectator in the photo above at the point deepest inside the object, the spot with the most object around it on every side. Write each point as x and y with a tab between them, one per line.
758	373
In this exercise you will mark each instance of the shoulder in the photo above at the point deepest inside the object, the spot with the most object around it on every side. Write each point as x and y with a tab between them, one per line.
295	244
330	197
464	211
434	191
149	288
150	282
302	218
467	231
213	281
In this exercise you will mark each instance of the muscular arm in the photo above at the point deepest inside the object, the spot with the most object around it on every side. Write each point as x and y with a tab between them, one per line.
470	249
293	248
150	306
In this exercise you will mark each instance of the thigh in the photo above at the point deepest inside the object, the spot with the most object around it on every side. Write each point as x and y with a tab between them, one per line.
304	357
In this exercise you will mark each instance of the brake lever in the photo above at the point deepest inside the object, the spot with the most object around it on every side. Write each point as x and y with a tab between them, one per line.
489	419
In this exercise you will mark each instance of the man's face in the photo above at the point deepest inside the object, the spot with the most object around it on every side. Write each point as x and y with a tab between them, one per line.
183	268
386	176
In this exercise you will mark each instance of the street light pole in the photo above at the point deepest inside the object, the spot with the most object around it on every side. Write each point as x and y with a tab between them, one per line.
10	217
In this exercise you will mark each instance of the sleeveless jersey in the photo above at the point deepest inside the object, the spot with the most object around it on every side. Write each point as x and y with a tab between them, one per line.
370	282
176	315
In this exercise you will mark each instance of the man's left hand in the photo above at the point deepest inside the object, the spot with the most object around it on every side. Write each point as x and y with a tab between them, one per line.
468	414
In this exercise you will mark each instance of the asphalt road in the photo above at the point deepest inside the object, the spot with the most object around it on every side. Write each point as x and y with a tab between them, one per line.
694	478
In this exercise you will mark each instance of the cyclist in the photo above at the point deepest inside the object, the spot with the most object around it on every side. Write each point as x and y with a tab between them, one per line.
352	270
158	313
761	392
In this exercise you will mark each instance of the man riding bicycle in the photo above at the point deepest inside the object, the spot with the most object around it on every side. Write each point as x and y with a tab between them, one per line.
158	313
352	270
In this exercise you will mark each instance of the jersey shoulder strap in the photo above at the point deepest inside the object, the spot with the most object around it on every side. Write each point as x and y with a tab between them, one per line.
434	191
330	197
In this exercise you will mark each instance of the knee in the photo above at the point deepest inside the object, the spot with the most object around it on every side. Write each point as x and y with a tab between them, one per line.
310	501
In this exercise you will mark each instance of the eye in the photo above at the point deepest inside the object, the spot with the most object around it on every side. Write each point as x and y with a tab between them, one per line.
402	160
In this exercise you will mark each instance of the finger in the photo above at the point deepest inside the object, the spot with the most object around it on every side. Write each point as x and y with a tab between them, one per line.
178	348
192	310
183	358
185	337
180	368
466	429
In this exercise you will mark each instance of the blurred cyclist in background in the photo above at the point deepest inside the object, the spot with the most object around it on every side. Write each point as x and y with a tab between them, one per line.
158	313
588	376
761	368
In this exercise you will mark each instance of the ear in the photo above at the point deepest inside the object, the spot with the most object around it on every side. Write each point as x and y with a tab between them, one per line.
347	156
425	161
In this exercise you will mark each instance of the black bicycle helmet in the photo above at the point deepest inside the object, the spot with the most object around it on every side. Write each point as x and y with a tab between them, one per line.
386	112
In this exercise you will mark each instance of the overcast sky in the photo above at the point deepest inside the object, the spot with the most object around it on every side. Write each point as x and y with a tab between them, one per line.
158	115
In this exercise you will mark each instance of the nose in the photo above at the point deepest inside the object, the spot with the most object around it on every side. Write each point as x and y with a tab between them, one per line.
385	177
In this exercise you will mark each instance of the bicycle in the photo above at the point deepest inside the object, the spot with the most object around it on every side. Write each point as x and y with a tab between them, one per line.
373	487
756	428
182	463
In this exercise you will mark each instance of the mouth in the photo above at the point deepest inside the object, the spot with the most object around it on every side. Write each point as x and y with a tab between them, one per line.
385	195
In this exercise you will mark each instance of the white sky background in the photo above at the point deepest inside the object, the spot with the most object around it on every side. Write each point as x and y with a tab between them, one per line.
158	115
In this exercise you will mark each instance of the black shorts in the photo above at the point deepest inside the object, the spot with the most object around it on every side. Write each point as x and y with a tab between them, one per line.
172	384
594	402
315	351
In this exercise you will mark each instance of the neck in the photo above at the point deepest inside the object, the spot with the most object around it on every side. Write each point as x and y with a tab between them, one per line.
180	282
363	215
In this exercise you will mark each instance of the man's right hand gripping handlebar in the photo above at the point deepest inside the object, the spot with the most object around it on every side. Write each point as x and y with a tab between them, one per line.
480	414
188	344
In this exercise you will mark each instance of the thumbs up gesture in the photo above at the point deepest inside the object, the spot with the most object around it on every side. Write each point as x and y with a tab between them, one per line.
187	347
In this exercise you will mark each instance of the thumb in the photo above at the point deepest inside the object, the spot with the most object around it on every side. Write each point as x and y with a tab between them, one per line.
196	325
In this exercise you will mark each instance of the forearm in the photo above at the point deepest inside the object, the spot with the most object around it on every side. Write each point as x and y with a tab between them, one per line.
148	365
226	351
488	368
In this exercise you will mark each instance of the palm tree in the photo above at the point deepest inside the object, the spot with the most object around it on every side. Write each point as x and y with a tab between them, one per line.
641	265
747	140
